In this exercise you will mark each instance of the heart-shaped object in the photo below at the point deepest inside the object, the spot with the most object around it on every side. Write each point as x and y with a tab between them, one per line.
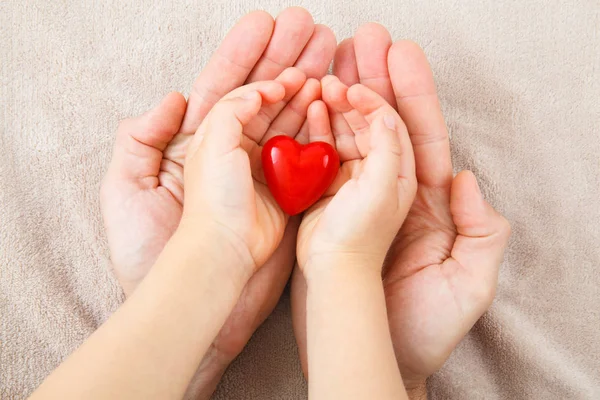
298	175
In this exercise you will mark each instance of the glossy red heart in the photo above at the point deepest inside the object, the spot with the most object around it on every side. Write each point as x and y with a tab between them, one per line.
298	175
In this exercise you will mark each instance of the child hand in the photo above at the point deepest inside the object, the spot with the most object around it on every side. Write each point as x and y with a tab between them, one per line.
363	209
226	193
441	271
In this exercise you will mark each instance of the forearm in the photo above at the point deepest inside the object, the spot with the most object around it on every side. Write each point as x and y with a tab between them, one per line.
350	352
151	347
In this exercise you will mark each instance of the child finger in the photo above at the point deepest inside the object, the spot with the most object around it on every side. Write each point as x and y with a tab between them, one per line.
302	136
374	107
389	162
319	126
293	80
345	142
335	94
271	91
221	131
290	119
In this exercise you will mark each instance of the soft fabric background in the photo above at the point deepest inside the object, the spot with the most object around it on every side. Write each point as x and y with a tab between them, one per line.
520	86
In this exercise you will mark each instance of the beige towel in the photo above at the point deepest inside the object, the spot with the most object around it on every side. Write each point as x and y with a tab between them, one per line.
520	86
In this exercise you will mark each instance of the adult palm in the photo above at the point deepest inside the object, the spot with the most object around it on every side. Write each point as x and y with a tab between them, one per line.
440	273
142	193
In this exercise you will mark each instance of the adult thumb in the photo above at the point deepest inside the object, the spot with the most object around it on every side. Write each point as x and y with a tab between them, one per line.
482	232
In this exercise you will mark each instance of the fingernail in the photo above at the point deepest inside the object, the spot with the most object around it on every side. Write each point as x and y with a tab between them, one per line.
389	121
250	95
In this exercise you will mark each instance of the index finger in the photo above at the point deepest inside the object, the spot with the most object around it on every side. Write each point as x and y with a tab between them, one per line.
229	66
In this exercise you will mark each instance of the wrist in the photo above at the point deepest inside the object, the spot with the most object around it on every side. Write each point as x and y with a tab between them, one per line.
319	267
213	249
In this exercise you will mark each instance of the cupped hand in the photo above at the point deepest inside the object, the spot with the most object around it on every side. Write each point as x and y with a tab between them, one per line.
142	192
226	192
362	210
441	271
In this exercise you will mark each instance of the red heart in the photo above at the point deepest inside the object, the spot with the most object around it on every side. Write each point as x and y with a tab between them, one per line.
298	175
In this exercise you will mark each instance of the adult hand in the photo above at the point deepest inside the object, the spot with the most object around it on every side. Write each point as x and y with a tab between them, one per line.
142	192
441	271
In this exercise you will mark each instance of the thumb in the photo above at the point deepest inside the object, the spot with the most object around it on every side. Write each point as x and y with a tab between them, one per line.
222	129
390	161
482	232
383	159
141	140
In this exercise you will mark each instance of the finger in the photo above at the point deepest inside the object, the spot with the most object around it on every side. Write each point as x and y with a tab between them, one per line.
141	140
419	108
292	117
344	63
345	142
302	136
221	132
293	29
388	133
318	53
372	43
389	163
293	81
170	176
273	91
482	232
347	171
349	130
368	103
229	66
319	127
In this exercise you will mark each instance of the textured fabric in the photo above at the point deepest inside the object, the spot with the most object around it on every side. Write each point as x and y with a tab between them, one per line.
520	86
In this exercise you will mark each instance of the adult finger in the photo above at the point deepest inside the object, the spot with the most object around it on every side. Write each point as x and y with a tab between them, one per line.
229	66
419	107
318	53
344	63
372	43
293	29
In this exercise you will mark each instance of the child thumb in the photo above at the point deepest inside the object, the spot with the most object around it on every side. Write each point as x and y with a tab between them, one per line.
221	131
383	160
